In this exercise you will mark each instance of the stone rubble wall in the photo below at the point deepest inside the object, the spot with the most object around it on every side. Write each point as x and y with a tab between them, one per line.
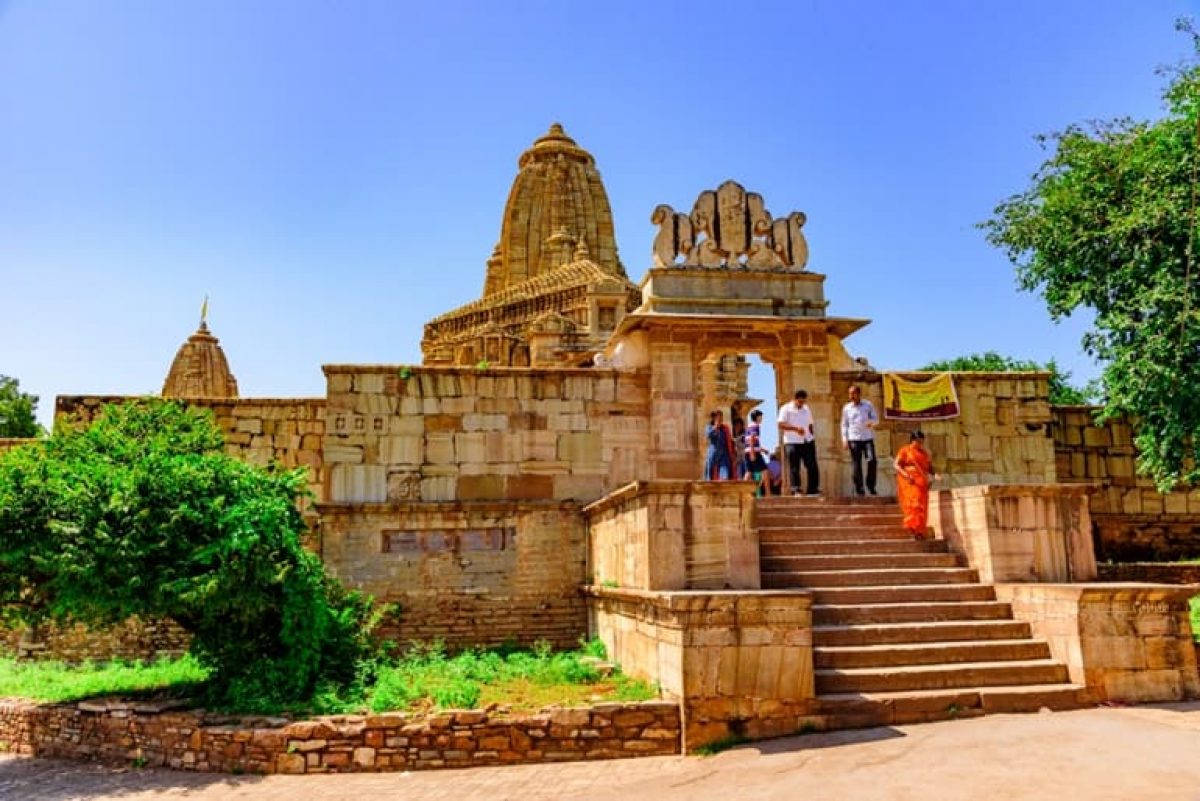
1002	435
1152	572
261	431
144	735
1133	520
8	443
480	573
133	639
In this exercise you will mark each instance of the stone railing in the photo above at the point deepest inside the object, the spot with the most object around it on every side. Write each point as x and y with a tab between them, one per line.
740	663
148	735
674	535
1018	532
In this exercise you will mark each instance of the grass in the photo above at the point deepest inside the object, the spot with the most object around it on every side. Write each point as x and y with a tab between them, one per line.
54	681
424	680
1194	606
519	679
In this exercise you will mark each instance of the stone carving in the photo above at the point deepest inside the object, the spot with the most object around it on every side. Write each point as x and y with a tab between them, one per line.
404	487
729	227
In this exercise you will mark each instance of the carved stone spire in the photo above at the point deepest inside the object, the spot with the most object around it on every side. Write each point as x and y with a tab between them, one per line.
557	199
200	369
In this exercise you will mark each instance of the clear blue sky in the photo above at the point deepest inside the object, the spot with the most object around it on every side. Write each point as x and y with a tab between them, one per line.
332	175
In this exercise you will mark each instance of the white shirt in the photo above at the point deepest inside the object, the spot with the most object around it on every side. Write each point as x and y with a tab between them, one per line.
855	417
801	418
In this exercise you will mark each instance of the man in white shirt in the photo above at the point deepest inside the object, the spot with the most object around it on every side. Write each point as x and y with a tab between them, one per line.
799	442
858	437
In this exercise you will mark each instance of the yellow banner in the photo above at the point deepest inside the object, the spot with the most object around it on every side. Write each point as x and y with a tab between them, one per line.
933	399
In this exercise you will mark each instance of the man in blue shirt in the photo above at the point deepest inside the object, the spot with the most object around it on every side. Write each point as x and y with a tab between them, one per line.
858	436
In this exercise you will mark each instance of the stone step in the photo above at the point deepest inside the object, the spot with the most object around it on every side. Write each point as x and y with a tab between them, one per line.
849	614
930	653
767	550
861	710
880	577
902	594
935	677
919	632
819	501
850	519
806	563
830	533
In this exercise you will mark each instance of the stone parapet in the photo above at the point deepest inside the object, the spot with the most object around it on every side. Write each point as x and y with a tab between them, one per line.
468	573
739	662
674	535
1018	532
146	735
1124	642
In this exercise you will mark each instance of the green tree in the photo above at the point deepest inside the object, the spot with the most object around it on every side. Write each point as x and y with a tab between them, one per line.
142	513
17	410
1109	224
1061	391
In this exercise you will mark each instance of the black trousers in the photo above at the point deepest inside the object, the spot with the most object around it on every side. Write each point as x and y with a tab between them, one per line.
804	452
863	449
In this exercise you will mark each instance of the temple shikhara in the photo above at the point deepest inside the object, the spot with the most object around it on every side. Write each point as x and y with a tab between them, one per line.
537	477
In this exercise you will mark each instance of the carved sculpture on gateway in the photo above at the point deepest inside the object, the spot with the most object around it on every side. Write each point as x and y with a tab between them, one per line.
729	227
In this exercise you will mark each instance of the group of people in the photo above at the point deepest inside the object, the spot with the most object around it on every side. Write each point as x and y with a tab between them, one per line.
739	453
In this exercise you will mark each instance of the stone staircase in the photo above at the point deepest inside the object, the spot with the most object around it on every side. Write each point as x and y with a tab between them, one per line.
902	631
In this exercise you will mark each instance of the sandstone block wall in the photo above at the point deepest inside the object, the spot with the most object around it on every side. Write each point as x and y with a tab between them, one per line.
1134	521
1152	572
675	535
1123	642
287	431
739	662
143	734
463	434
1018	532
480	573
1002	436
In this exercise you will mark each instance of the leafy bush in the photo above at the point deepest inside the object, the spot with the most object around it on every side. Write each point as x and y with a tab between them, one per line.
142	513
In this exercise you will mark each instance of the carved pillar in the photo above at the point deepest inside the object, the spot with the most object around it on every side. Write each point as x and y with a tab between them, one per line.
673	403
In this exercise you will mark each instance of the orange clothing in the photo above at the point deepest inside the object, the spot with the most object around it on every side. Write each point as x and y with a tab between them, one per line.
912	486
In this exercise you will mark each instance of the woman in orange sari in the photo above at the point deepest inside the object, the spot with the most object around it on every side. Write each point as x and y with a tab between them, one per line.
914	473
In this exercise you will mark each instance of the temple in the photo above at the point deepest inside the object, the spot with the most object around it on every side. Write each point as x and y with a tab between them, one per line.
536	478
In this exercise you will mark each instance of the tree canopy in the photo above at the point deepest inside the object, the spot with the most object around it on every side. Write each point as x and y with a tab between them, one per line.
17	410
1109	223
142	513
1061	391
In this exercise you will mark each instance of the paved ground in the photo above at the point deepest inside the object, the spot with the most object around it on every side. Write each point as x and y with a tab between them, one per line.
1124	754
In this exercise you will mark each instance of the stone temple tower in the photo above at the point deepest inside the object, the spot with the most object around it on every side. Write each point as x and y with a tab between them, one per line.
555	288
200	369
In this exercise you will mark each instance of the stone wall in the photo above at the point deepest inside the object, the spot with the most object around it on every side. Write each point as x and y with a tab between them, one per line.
464	434
144	735
477	573
1134	521
8	443
1018	532
1154	572
133	639
1002	435
740	663
287	431
1123	642
675	535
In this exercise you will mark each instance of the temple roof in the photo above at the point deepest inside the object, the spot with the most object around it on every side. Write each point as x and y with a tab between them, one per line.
200	369
557	200
576	274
